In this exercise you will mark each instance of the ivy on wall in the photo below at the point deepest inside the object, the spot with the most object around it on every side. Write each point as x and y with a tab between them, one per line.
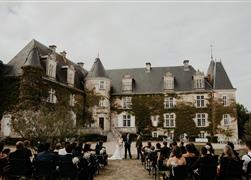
144	106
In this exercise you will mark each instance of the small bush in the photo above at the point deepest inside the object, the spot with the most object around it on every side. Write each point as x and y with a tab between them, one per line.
92	138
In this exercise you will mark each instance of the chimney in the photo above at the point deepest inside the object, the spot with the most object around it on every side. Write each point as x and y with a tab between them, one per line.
186	65
53	48
63	53
148	67
81	64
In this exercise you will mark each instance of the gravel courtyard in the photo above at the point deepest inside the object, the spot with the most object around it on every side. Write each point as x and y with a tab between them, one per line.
123	170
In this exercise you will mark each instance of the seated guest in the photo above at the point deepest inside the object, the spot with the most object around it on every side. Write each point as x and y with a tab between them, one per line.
165	151
177	162
210	149
20	154
190	151
57	148
27	148
235	152
205	167
3	158
229	168
98	147
247	157
68	156
46	155
78	150
62	151
182	147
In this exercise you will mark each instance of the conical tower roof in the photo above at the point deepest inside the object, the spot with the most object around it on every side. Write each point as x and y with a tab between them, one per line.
33	59
97	70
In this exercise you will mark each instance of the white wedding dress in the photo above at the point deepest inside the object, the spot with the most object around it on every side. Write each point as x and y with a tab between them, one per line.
118	154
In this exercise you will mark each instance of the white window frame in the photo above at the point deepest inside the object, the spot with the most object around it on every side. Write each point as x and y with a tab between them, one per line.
102	85
169	120
72	100
155	134
102	102
226	119
224	100
201	120
200	101
127	84
127	118
169	102
199	83
127	102
52	98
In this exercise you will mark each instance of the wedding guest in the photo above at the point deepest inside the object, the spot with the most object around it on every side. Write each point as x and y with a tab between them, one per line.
190	151
57	148
165	151
247	157
46	155
21	155
210	149
205	167
62	151
139	146
3	158
175	162
182	147
68	156
229	168
27	148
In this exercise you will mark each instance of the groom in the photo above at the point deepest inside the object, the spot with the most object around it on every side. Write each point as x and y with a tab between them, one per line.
128	142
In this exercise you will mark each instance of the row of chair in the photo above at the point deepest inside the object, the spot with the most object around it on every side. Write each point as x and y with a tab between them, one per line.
85	170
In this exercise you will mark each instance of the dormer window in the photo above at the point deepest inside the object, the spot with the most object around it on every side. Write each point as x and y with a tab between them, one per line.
52	98
168	81
101	85
72	100
51	66
127	83
70	75
199	82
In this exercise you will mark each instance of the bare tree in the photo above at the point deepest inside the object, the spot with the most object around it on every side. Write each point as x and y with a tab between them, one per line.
45	124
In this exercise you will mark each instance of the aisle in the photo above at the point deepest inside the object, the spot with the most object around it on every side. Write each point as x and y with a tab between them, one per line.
123	170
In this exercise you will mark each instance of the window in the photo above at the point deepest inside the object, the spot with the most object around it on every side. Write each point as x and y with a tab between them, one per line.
52	97
51	68
200	101
127	102
202	134
127	83
226	119
72	100
168	81
224	99
127	120
101	85
168	102
102	102
198	78
70	75
155	120
201	119
155	134
199	84
169	120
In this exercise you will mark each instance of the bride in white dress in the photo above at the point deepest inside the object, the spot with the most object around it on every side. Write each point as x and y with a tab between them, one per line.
118	154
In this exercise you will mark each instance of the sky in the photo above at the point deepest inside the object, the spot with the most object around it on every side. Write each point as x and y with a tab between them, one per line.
128	34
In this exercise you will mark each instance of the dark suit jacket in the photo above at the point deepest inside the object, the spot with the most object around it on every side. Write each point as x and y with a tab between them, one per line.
66	158
46	156
21	155
128	142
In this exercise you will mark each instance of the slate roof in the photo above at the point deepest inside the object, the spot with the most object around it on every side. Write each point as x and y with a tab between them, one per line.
97	70
153	81
29	56
220	79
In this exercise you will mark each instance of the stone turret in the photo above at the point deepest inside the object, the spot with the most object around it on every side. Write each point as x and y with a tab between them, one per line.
98	81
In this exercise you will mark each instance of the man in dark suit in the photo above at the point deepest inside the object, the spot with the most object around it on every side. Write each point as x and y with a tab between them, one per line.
46	155
21	156
128	142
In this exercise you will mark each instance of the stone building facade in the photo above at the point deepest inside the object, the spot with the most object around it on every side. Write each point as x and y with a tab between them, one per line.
175	101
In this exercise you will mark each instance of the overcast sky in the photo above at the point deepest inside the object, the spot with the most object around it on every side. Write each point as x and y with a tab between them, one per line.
128	34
